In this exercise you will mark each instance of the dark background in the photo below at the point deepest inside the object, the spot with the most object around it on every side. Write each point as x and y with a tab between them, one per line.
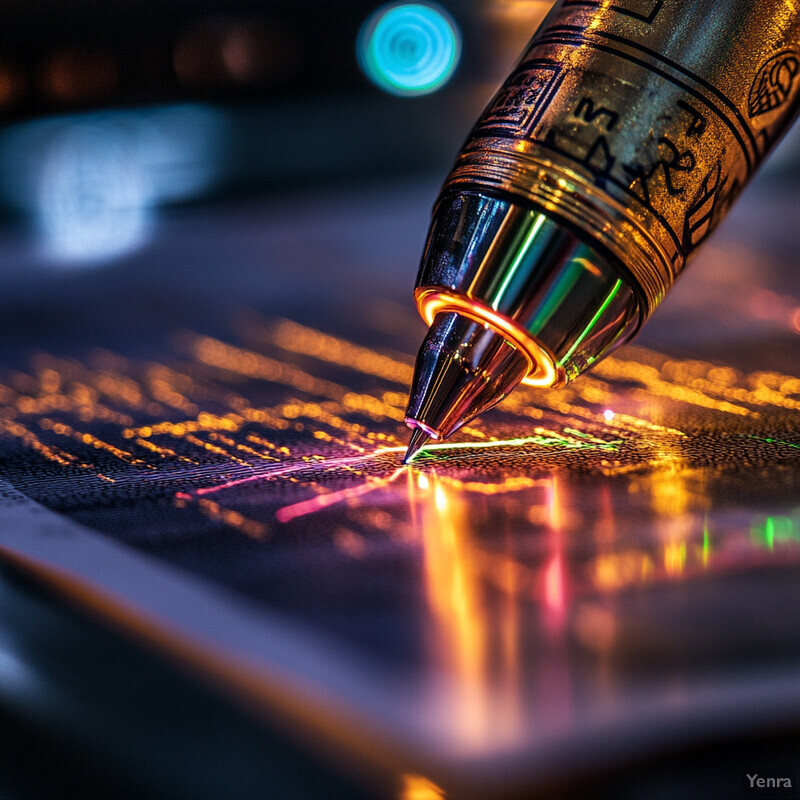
147	186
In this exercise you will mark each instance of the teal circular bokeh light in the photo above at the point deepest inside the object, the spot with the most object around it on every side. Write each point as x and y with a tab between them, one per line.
409	48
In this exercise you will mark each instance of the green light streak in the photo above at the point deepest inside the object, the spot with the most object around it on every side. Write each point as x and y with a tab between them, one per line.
556	296
774	441
603	443
542	441
706	542
769	532
612	294
518	259
774	529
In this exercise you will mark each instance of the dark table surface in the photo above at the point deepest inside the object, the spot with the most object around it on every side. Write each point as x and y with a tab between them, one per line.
589	584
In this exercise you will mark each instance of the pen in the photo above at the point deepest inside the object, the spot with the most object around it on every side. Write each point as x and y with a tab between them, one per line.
615	146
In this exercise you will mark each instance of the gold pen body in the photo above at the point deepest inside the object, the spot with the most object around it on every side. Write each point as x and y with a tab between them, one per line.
615	146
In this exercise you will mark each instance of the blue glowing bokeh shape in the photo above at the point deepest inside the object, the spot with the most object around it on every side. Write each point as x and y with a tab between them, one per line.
409	48
92	182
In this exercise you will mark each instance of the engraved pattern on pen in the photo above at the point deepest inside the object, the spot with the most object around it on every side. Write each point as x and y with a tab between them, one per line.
656	63
519	104
773	84
642	10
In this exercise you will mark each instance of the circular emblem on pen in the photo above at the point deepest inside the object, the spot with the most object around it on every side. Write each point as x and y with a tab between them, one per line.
774	83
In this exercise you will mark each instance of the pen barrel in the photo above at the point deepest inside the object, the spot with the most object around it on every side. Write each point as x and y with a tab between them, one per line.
636	123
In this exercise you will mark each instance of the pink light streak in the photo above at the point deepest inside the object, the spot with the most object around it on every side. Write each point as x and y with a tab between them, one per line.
554	590
555	598
281	470
304	507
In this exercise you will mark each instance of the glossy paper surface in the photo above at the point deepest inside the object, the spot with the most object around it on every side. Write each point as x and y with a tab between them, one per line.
582	575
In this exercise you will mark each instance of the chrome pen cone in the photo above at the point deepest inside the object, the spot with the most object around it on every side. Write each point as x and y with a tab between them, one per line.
463	368
418	440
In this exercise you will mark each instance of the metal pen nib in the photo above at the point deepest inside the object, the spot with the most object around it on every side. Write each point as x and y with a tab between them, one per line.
463	368
510	297
418	440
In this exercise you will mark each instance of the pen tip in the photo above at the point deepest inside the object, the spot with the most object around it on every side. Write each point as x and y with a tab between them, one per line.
417	442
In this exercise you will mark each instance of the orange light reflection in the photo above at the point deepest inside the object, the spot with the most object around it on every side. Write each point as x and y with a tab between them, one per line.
478	651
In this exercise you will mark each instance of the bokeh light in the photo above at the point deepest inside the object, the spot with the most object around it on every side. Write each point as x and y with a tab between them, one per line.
91	183
409	48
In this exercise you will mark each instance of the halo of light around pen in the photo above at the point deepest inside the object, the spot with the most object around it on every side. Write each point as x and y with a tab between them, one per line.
544	371
409	48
